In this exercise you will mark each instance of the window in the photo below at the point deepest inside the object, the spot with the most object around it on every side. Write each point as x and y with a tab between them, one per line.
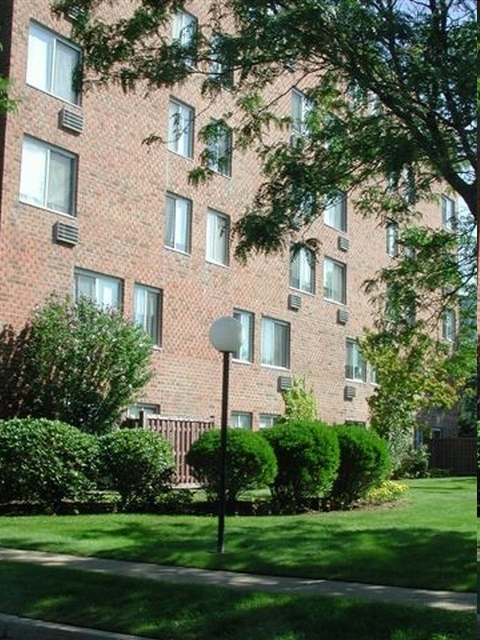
267	420
355	368
185	28
48	176
392	238
148	409
301	109
336	212
241	420
178	223
180	128
104	290
218	237
449	325
275	343
147	311
246	319
220	71
448	213
334	281
52	62
302	270
373	376
220	149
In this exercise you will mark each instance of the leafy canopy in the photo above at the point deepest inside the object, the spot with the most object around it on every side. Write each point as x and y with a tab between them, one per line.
390	86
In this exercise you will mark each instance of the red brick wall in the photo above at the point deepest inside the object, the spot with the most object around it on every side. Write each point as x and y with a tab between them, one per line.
121	207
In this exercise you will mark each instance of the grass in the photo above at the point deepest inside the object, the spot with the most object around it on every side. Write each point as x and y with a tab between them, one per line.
426	541
173	612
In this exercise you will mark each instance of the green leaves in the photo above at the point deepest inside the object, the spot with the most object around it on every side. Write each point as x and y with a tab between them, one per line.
75	362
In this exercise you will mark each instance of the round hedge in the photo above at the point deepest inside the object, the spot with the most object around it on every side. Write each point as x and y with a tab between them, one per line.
364	464
138	463
308	456
45	462
250	461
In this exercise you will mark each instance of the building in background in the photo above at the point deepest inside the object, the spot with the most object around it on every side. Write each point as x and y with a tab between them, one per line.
88	209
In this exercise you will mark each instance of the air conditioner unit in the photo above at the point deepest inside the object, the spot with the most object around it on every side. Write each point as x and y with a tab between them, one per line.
65	233
71	119
343	243
350	393
342	316
294	302
284	383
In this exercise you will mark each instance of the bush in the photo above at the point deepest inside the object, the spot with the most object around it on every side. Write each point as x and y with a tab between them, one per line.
138	463
414	463
250	461
364	464
308	456
45	462
388	491
74	362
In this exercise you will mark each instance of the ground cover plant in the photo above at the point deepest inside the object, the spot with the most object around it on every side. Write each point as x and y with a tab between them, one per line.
392	546
179	612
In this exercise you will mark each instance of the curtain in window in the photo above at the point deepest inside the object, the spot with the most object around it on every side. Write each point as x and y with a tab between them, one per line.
40	58
84	286
217	238
177	224
66	61
33	173
60	182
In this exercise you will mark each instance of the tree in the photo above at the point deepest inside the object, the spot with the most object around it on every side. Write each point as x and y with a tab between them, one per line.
388	115
73	362
6	102
390	87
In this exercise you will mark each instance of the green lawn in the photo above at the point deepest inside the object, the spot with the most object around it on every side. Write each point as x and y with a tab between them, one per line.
427	541
173	612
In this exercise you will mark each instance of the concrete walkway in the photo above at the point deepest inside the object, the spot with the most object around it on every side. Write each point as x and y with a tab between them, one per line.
466	602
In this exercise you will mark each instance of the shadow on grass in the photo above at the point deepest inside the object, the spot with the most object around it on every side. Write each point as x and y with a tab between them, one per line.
416	557
206	613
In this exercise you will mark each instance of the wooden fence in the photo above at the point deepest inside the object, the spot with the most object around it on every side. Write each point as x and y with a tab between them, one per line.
458	455
181	433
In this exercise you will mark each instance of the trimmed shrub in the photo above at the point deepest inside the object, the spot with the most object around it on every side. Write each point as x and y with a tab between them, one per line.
250	461
388	491
308	456
45	462
364	464
138	464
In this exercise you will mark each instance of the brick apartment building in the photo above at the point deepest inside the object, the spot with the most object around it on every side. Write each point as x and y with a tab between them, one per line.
86	208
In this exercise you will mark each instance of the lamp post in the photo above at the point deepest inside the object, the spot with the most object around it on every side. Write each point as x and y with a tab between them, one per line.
226	336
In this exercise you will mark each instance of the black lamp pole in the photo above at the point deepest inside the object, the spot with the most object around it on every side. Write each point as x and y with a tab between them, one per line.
222	498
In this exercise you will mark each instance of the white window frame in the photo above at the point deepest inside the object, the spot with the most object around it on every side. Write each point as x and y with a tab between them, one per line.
303	270
147	311
105	291
449	325
47	64
247	320
335	214
448	213
302	107
332	270
39	180
391	234
241	420
220	149
267	420
178	223
275	345
218	238
181	119
355	365
219	70
184	31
